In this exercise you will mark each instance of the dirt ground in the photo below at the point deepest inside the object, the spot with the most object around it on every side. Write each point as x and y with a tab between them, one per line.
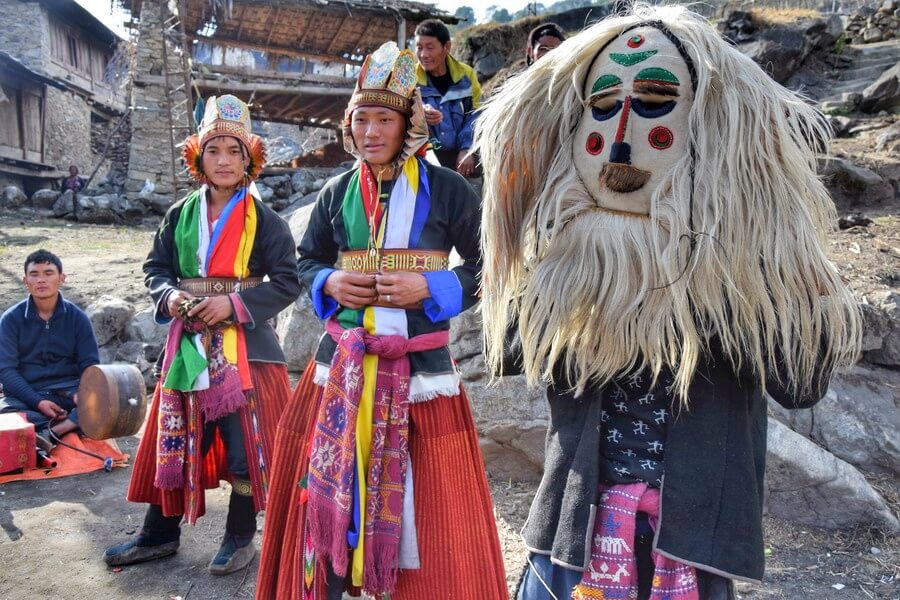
54	531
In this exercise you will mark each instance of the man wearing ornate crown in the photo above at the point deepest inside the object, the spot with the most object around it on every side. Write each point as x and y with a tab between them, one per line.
661	287
224	379
378	481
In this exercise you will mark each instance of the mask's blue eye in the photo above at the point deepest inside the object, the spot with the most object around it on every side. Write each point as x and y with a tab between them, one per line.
652	110
602	114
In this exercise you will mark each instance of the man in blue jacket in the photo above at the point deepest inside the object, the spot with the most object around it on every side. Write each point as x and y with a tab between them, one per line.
46	342
451	93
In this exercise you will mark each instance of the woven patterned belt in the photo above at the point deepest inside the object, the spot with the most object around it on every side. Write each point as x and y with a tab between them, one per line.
387	260
218	286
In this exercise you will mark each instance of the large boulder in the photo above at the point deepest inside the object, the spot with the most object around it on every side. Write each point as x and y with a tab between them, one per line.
299	330
881	321
12	197
889	141
299	221
104	209
157	203
301	181
884	93
296	202
280	185
806	484
853	187
265	192
64	204
857	420
510	417
144	328
298	327
782	49
44	198
108	316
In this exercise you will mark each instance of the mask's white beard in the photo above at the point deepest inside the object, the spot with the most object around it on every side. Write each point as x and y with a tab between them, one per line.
599	298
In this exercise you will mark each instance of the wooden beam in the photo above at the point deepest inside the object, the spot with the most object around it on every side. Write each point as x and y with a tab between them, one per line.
260	74
272	22
22	137
401	33
274	88
241	20
286	50
337	35
43	122
289	108
364	33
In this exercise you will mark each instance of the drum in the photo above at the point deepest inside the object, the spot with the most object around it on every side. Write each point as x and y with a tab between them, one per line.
112	401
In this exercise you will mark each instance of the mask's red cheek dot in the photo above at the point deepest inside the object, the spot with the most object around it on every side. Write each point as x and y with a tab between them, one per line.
635	41
594	144
661	138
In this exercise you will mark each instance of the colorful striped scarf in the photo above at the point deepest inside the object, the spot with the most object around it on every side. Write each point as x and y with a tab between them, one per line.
383	386
333	462
209	362
612	571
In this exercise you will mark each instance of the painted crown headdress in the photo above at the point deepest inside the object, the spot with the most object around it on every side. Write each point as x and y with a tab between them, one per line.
388	78
224	116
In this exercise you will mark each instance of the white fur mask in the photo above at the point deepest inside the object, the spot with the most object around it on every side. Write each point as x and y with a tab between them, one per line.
634	127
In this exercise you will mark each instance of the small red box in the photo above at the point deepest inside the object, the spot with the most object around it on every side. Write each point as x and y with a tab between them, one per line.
17	447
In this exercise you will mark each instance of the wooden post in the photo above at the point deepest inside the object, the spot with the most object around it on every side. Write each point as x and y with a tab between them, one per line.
401	33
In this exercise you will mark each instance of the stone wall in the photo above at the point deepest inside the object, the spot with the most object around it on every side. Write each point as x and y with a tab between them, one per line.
68	131
150	157
25	34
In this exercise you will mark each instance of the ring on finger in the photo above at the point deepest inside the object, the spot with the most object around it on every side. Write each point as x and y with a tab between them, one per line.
388	297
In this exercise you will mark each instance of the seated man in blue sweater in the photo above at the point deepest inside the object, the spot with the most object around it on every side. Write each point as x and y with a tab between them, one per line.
46	342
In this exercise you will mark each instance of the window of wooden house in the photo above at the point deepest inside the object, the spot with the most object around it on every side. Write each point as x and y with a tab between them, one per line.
72	48
10	134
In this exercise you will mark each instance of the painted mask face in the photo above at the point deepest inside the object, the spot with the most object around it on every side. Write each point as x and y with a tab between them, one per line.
634	127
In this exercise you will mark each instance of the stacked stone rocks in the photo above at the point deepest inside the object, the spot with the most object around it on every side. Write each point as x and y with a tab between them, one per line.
869	26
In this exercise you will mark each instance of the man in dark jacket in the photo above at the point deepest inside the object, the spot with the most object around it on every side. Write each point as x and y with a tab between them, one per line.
46	343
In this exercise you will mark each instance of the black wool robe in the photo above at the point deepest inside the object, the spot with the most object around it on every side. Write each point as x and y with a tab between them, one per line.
454	220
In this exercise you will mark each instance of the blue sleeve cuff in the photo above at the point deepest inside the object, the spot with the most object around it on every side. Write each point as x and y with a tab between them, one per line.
325	306
446	296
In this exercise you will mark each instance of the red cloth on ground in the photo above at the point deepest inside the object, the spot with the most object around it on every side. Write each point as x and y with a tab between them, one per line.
270	394
457	535
71	462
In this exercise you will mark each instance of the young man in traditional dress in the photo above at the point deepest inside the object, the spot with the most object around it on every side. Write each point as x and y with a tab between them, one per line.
378	480
224	381
661	287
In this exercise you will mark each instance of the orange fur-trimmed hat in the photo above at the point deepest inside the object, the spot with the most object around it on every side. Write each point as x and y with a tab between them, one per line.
224	116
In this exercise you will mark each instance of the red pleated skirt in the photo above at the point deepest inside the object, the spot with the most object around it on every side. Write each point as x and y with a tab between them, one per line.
271	392
457	536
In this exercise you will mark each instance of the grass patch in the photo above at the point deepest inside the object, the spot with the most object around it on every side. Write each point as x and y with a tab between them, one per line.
781	16
839	111
887	220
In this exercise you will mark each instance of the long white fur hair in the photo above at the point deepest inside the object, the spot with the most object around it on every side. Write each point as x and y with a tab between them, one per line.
603	294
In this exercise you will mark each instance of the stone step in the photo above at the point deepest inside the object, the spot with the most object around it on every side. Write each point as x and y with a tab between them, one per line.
886	62
870	73
881	49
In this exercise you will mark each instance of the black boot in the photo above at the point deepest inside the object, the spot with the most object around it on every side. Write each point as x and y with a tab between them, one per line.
159	537
237	549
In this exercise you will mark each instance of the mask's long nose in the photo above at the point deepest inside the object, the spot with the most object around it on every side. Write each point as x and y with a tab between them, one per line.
621	150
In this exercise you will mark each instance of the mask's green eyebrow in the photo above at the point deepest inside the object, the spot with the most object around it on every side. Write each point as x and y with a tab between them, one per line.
628	60
605	81
657	75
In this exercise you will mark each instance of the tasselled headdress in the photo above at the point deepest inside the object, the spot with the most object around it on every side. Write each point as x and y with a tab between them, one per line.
224	116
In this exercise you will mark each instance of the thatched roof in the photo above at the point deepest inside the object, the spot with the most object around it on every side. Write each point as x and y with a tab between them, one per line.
336	30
